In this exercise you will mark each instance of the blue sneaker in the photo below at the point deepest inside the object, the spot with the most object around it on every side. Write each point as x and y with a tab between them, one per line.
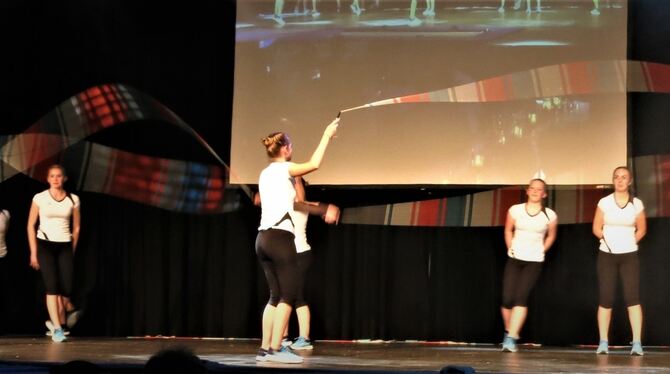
509	344
603	348
302	343
58	336
284	356
51	328
262	355
636	350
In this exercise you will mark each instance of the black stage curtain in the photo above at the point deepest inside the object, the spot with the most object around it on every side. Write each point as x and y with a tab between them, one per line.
143	271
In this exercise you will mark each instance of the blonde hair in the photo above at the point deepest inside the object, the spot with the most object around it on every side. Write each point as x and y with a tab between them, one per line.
274	142
59	167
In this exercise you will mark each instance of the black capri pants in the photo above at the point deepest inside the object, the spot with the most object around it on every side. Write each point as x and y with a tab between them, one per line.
626	264
56	266
275	250
519	278
304	263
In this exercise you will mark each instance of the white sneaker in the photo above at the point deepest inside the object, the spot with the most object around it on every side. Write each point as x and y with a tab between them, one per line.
501	10
280	21
595	12
415	22
284	356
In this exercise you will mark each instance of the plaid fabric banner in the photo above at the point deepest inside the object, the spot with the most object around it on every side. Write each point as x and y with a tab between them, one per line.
573	78
574	204
60	137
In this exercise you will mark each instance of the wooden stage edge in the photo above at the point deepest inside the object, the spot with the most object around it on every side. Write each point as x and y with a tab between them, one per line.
341	356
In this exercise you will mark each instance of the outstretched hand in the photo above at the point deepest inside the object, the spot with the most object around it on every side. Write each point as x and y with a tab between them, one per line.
332	214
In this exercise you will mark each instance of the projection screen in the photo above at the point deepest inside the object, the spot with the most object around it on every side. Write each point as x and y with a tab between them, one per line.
484	94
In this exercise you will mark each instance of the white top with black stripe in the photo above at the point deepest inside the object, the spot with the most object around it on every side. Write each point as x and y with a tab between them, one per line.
300	221
529	232
619	225
276	187
55	216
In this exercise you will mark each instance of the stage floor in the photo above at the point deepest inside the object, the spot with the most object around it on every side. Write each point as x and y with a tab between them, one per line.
341	356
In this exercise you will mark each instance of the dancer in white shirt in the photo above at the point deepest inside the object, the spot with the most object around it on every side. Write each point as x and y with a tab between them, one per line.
619	223
530	230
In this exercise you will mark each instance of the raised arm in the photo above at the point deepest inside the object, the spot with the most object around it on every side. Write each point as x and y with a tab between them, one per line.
315	161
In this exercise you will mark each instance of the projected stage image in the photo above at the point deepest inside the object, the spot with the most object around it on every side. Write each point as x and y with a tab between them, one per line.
461	92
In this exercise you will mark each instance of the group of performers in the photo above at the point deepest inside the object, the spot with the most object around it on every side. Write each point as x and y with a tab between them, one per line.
429	10
530	230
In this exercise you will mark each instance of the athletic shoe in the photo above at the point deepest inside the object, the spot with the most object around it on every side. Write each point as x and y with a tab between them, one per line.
504	337
595	12
517	4
58	336
284	356
72	318
262	355
636	350
509	344
429	13
285	342
501	10
279	20
315	14
415	22
51	328
302	343
603	348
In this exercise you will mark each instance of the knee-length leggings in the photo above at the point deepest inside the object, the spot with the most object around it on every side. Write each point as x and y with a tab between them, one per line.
518	280
625	264
56	266
275	249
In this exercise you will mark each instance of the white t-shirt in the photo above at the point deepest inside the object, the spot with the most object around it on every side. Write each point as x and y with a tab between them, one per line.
619	225
276	187
300	222
55	216
529	232
4	223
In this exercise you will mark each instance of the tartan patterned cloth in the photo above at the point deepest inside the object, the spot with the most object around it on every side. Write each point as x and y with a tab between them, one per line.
573	204
573	78
60	137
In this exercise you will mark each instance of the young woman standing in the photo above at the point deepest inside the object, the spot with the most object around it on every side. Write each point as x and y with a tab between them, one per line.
619	223
530	230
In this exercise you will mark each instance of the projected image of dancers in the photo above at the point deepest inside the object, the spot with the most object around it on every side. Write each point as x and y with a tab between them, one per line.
506	79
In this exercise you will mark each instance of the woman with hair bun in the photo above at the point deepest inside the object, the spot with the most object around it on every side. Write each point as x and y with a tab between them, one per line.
275	246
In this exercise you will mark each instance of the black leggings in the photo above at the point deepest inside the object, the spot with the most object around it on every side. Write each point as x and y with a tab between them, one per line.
518	279
55	259
626	264
304	262
275	250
